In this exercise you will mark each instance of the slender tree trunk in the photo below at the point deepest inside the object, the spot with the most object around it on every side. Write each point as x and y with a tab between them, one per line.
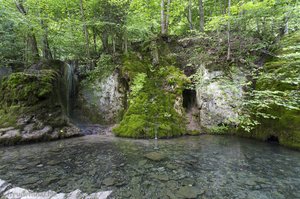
228	31
125	42
31	39
162	17
190	17
104	39
201	13
46	48
86	33
95	40
113	44
167	17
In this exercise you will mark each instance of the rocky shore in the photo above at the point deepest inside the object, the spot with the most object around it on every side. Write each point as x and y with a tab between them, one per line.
7	191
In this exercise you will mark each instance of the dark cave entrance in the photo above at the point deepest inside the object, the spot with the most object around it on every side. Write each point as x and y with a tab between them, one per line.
189	99
272	139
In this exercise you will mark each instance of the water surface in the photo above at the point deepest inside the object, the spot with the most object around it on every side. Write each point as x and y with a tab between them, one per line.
202	167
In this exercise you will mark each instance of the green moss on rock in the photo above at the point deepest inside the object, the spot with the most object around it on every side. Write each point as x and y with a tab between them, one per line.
26	88
151	110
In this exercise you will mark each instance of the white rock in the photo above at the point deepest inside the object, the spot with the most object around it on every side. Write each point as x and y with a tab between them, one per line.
99	195
16	193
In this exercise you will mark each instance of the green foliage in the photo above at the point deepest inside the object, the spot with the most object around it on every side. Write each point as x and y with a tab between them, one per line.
105	67
275	103
278	85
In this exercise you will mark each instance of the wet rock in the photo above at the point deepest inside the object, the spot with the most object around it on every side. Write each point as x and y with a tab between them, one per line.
155	156
77	194
59	196
171	166
70	131
142	163
20	167
188	192
10	137
99	195
172	184
4	186
161	177
37	135
3	130
188	182
109	181
28	128
15	193
53	162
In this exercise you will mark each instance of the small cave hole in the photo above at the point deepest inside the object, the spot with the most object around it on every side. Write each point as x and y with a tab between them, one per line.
273	139
189	99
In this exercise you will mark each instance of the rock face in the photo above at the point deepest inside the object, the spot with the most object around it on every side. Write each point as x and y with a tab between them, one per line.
7	192
218	100
10	136
102	100
33	105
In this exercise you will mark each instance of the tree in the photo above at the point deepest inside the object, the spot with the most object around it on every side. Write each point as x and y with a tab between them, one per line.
201	14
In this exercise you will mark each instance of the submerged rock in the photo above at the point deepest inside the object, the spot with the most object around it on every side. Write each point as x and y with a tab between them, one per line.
188	192
109	181
155	156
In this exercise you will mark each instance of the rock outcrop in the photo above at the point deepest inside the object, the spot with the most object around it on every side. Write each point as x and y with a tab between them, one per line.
102	100
32	105
218	98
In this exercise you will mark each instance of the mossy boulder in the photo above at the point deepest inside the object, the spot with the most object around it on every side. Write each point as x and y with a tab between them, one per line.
26	88
153	93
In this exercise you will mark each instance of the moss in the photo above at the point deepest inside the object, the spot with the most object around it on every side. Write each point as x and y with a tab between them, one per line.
151	102
133	64
9	116
26	88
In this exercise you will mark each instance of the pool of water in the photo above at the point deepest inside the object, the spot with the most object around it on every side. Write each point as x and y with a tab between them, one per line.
190	167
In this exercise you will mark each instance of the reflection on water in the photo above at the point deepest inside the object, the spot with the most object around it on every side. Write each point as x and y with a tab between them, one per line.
190	167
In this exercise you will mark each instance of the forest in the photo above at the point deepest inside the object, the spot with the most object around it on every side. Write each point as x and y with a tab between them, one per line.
208	89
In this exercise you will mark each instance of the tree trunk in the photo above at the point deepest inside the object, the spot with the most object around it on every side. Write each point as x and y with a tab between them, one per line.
46	49
190	17
86	33
125	42
95	40
31	39
167	17
104	39
228	31
113	44
201	13
162	17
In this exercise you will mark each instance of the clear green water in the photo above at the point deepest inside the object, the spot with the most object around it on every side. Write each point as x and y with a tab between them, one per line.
202	167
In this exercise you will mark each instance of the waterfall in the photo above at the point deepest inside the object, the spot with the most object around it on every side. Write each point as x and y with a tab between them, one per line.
69	84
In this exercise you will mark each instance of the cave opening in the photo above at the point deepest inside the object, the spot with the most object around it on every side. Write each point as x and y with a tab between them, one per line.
189	99
273	139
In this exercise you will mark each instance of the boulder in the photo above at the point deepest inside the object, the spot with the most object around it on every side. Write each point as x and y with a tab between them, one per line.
155	156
